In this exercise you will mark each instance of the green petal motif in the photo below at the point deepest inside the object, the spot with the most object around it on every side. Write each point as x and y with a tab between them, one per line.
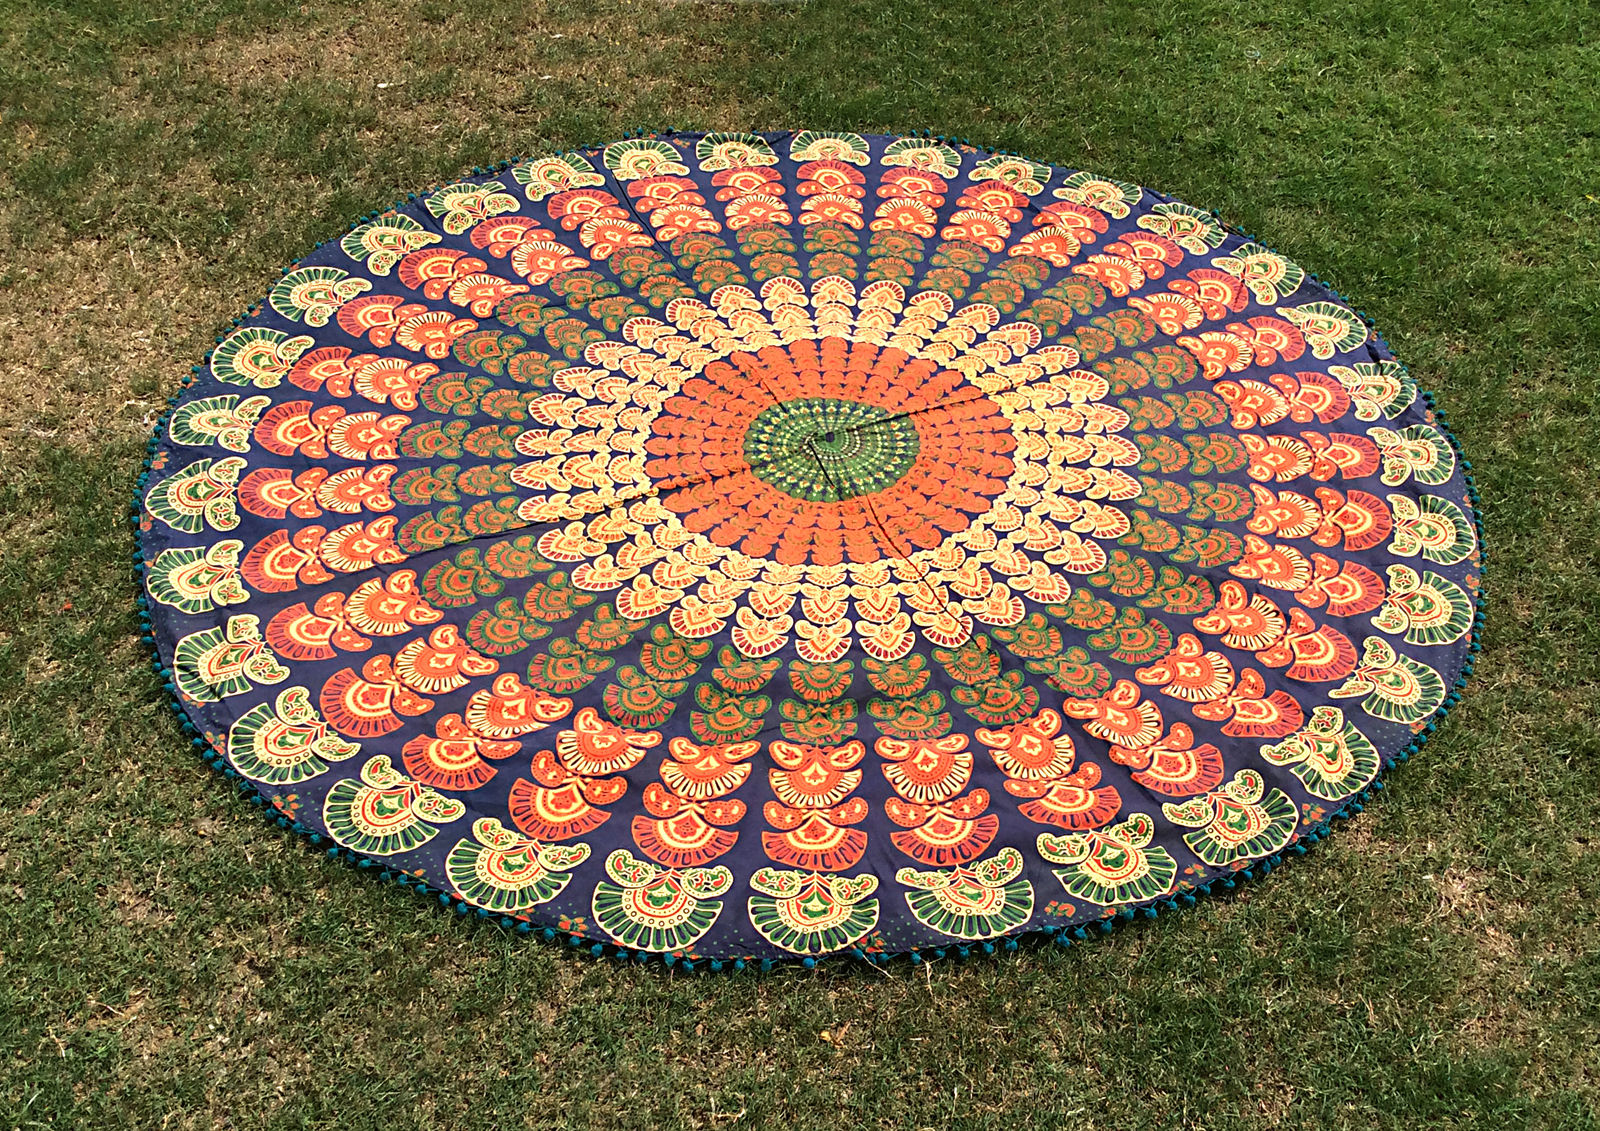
194	579
1112	865
503	871
652	908
978	901
385	812
811	913
285	742
1328	754
1234	823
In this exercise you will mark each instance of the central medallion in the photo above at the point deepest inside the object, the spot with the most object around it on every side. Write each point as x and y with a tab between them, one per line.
825	449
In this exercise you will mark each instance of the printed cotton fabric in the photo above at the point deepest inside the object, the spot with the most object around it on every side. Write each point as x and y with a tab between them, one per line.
761	546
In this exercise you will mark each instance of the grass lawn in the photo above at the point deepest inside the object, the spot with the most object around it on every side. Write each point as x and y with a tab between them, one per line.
167	959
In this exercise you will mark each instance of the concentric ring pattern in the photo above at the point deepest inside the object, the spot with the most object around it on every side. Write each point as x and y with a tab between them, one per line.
755	546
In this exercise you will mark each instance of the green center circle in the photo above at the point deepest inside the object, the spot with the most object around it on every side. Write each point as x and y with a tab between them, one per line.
825	450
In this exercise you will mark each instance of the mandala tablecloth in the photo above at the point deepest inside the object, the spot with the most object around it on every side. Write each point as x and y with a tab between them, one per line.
753	546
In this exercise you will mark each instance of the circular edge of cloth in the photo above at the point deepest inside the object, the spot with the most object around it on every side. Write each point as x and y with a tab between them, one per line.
251	793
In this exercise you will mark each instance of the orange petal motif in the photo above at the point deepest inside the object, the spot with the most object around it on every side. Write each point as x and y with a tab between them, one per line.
453	756
1119	716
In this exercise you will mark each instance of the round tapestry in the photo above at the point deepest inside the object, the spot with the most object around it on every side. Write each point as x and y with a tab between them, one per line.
746	546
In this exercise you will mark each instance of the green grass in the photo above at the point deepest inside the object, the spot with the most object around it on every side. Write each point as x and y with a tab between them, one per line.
169	960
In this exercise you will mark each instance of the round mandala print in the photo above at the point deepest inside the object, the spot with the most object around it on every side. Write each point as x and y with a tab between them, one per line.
747	547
